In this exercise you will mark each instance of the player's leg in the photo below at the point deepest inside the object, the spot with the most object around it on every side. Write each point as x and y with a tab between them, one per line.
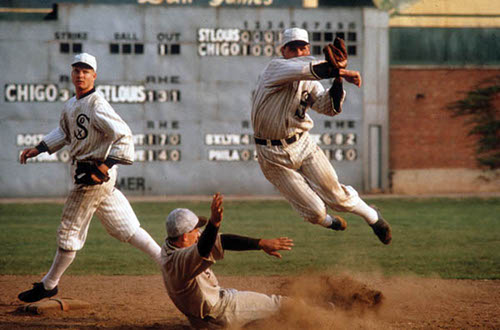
62	261
294	187
324	180
71	235
48	286
119	220
144	242
237	308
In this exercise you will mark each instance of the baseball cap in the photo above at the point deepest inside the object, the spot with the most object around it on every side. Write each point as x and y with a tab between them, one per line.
86	59
295	34
181	221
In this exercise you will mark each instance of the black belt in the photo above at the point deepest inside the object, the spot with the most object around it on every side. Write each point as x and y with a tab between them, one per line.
83	162
290	140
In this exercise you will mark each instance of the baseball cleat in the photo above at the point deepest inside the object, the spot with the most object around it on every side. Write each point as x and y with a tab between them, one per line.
338	223
37	293
382	229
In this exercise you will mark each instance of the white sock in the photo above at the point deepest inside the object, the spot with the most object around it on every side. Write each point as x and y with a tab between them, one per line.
327	222
61	262
368	213
144	242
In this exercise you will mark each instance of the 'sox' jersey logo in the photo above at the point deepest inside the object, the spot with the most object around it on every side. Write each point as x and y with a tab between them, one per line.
304	103
82	132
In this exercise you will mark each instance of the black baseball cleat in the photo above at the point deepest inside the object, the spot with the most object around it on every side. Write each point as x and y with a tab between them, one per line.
37	293
382	229
338	223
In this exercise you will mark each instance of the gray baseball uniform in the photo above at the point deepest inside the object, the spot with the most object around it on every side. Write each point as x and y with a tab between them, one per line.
93	131
285	90
194	289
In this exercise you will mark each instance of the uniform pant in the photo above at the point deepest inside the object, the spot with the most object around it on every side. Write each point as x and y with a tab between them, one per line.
110	206
237	308
306	178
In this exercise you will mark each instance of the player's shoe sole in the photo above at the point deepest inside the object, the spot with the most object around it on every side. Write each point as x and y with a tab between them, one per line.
338	223
37	293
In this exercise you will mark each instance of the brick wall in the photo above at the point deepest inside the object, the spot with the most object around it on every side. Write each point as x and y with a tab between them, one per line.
422	132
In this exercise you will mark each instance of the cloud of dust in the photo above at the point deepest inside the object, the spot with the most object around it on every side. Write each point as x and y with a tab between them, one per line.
324	301
361	301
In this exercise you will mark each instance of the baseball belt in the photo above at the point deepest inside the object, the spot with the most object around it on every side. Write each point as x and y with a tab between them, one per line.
290	140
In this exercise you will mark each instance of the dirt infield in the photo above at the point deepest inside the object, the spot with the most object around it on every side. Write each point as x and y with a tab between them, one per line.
140	302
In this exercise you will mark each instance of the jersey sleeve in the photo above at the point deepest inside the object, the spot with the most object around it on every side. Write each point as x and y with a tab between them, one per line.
113	126
58	137
327	102
282	71
239	243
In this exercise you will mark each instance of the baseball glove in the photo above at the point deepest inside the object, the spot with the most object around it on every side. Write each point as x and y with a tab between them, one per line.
336	54
84	171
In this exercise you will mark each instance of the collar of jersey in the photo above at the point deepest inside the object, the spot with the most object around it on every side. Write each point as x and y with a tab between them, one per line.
87	94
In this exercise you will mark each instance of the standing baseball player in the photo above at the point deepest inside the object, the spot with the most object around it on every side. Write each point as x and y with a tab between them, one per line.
288	156
98	139
191	284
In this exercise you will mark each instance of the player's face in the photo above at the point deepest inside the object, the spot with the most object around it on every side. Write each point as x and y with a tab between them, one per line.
295	50
83	78
192	237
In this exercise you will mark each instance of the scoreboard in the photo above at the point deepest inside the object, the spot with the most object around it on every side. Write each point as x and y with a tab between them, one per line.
181	74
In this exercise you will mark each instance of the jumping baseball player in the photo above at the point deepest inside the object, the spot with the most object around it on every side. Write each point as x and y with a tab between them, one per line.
191	284
97	139
288	157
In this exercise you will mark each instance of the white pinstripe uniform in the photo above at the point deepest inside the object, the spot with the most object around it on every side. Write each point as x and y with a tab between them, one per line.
285	90
93	131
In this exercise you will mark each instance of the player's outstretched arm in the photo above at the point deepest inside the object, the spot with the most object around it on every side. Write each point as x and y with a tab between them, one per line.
272	246
209	235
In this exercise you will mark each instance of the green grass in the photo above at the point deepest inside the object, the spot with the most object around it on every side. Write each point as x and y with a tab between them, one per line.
446	237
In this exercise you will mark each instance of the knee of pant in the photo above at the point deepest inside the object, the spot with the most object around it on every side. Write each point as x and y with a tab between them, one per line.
70	245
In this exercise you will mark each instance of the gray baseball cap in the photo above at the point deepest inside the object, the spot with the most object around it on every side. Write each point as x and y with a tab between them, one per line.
181	221
295	34
85	58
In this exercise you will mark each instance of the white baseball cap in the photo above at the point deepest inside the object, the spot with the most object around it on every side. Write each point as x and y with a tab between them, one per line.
86	59
181	221
294	34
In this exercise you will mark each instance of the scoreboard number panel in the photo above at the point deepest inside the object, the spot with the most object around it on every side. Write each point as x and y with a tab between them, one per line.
184	87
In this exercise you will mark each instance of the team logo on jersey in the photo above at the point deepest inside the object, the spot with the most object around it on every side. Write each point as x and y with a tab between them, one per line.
304	104
81	132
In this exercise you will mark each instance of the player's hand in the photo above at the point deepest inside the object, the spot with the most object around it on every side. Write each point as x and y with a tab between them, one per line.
272	246
354	77
216	210
104	169
28	153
